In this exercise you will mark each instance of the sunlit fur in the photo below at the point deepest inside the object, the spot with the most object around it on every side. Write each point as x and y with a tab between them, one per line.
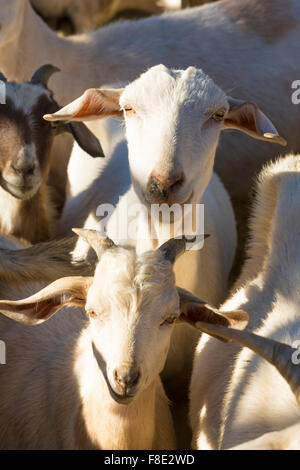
236	396
285	439
54	394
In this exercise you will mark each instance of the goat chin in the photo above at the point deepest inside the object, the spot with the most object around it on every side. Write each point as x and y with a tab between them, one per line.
19	191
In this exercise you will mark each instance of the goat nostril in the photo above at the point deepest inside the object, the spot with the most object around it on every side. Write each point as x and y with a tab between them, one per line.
177	182
136	379
159	187
155	185
29	171
16	170
127	380
157	190
117	378
24	171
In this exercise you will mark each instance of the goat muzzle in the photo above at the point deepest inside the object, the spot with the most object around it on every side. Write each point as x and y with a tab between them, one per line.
159	188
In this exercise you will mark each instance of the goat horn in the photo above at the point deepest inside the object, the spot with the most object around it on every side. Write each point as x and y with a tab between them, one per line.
43	74
175	247
278	354
95	240
3	78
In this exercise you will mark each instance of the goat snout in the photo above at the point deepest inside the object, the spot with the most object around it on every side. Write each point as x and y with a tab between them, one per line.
126	379
24	171
21	179
159	187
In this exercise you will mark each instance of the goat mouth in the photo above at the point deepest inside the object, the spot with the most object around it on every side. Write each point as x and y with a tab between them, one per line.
188	200
18	191
121	399
171	200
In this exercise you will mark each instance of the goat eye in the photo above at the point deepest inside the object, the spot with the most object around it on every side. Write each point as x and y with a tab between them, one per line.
170	320
219	115
129	110
91	313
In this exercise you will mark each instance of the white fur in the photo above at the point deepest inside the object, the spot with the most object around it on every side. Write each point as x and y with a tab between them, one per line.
54	395
10	208
285	439
236	396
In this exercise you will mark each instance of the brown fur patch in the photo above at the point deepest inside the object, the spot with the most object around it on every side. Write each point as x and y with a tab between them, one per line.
18	129
14	133
270	19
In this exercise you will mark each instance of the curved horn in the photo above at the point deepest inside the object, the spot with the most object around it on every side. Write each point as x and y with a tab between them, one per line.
3	78
278	354
175	247
95	240
43	74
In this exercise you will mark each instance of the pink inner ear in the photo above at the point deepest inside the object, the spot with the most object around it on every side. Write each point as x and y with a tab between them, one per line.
36	310
238	319
96	103
242	117
45	308
195	312
232	321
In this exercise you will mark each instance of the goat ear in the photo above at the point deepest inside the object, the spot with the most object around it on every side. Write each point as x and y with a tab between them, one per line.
93	104
85	138
194	310
248	118
69	291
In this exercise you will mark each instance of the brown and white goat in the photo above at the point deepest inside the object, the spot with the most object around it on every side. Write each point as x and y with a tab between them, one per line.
25	156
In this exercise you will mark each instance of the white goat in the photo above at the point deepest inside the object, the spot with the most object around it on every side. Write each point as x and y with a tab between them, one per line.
26	209
235	396
173	124
105	371
236	32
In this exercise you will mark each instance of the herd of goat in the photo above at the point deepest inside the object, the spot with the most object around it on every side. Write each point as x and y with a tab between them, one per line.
138	342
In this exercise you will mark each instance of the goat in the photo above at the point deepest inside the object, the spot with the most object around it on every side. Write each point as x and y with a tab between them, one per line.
105	368
235	396
236	32
25	156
